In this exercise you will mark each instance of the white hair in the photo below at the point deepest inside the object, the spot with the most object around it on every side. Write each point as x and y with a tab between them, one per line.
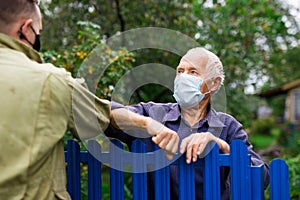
214	66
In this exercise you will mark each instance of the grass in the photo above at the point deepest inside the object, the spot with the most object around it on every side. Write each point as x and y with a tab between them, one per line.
261	141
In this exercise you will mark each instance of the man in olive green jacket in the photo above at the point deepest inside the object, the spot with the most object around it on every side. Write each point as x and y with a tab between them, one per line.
38	103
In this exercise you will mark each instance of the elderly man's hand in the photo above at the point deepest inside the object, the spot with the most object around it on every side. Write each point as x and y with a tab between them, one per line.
195	144
164	137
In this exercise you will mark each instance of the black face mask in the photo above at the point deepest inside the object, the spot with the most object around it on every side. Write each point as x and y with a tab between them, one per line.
37	42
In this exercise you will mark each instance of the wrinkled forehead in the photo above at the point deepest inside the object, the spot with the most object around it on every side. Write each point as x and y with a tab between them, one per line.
198	58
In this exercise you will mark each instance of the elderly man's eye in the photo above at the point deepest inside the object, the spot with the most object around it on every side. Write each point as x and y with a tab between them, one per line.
179	71
194	72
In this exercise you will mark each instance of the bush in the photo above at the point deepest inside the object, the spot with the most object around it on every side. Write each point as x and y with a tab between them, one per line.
289	139
294	176
113	63
263	126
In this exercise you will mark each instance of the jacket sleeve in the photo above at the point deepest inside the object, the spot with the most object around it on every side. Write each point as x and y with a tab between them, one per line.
90	115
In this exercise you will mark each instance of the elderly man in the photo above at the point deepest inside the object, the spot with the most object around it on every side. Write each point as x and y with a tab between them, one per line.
199	75
39	102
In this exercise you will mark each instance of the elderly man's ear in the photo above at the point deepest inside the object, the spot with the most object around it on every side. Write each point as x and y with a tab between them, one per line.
215	85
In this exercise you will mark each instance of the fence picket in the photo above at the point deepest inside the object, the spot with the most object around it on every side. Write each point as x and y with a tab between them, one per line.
279	180
240	171
247	182
211	174
94	171
161	177
116	176
257	182
186	180
139	180
73	173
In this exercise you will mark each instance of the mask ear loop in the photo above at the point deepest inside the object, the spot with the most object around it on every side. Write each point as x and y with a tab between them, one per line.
33	30
22	36
209	90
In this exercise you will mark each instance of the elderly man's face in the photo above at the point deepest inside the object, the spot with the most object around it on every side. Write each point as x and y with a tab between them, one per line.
195	66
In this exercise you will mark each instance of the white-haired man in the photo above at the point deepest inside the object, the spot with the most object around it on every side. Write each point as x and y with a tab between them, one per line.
199	75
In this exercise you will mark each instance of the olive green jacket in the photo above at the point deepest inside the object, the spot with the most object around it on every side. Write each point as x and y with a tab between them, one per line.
38	103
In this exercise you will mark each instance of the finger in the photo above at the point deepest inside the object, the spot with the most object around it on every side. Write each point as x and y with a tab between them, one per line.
201	149
195	152
169	155
175	146
189	154
184	144
172	145
165	141
158	138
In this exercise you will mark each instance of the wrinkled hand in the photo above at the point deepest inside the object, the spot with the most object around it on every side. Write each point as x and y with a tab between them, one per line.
194	145
164	137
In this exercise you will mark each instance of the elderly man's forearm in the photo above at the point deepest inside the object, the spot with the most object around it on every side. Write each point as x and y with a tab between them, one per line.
124	119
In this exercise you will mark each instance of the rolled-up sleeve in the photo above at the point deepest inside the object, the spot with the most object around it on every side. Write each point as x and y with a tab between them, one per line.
115	105
116	133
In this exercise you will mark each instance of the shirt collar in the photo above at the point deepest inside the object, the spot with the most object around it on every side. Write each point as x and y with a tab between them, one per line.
212	118
11	43
173	114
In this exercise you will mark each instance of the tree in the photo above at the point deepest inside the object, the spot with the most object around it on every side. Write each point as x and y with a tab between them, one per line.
250	37
100	76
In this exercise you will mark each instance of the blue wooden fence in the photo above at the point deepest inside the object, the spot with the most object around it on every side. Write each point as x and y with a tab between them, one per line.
246	180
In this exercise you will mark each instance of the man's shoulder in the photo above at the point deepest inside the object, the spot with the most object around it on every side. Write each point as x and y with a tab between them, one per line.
158	106
20	60
51	69
225	117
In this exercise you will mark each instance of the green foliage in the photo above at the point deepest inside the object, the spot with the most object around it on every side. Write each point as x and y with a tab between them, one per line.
263	126
286	68
289	139
263	132
245	42
261	141
294	176
277	104
103	70
105	183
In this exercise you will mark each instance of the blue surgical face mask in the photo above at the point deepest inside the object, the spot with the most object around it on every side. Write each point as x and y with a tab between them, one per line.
187	90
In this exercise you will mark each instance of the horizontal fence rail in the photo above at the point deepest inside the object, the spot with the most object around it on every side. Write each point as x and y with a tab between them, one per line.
246	181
